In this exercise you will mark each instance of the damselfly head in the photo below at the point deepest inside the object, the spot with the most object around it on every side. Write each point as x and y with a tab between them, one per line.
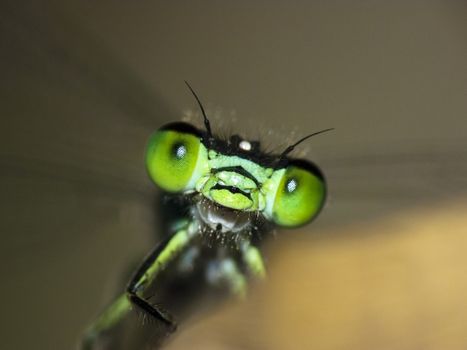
235	175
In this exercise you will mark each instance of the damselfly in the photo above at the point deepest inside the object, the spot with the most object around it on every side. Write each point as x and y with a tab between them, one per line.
82	85
230	194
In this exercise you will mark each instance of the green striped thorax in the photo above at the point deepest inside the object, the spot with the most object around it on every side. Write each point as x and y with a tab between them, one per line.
235	174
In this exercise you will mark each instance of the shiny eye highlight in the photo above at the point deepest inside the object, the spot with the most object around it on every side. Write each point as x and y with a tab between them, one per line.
300	194
176	157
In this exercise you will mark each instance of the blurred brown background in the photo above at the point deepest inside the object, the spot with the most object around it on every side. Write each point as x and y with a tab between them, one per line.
83	84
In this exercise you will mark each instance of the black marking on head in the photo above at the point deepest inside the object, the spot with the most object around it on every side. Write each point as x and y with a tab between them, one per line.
237	169
256	155
231	189
182	127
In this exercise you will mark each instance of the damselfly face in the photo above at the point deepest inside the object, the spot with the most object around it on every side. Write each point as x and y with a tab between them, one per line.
234	178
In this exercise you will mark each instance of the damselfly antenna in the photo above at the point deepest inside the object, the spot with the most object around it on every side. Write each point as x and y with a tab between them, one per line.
206	120
292	147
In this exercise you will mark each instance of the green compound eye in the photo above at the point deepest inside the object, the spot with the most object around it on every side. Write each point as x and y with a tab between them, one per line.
175	157
300	195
